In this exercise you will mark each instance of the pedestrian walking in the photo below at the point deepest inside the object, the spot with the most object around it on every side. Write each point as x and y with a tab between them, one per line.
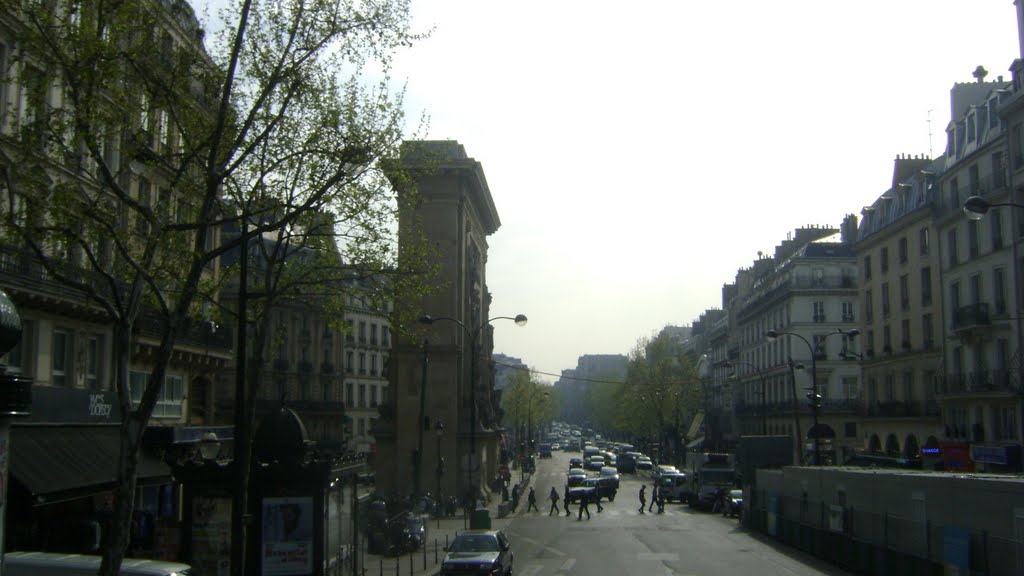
584	497
597	500
661	501
531	500
515	496
654	496
566	503
643	497
554	502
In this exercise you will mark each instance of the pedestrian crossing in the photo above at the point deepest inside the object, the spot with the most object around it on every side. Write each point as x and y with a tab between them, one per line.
608	512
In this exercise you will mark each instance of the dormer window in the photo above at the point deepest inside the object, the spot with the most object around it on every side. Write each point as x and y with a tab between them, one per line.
970	128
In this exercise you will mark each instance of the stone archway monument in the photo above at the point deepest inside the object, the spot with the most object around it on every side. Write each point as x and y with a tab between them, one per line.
446	206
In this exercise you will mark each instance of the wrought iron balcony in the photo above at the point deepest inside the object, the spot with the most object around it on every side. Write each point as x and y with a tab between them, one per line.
971	316
980	382
894	409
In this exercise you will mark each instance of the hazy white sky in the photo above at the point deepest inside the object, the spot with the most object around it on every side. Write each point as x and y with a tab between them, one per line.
640	153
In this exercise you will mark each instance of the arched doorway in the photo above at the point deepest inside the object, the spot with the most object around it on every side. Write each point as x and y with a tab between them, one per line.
910	447
892	445
875	444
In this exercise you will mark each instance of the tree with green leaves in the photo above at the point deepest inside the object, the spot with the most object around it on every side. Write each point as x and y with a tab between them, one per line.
663	392
528	405
130	145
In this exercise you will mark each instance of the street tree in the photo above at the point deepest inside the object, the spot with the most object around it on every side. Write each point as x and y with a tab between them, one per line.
131	145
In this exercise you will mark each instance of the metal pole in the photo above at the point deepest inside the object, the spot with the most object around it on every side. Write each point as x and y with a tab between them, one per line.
796	413
814	404
764	404
422	423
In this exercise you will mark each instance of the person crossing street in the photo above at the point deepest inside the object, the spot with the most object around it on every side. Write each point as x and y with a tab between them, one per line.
554	502
643	497
531	500
584	497
566	500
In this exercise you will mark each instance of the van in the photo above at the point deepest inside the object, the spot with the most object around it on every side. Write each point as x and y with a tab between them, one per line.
57	564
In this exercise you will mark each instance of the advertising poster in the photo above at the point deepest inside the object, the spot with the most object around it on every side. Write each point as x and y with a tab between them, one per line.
287	536
211	535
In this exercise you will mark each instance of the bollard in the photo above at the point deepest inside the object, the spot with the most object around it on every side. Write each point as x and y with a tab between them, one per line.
398	566
410	563
424	555
381	568
436	545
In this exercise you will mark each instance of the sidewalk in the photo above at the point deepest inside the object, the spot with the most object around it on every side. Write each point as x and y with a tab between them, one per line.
441	531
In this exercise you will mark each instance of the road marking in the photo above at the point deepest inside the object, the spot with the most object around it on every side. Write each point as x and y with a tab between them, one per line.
658	556
568	564
531	570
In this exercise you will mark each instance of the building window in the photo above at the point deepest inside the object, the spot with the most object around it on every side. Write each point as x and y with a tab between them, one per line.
890	386
886	339
847	307
954	195
362	332
905	338
868	309
995	220
59	359
904	293
373	334
902	250
923	240
883	260
927	331
385	336
908	385
169	402
362	395
972	238
819	311
349	395
93	351
867	267
362	363
885	300
926	286
999	290
349	366
953	257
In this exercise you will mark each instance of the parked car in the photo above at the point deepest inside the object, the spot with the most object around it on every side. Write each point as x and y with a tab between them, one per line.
575	462
661	469
478	552
644	463
626	463
673	486
544	450
733	504
595	462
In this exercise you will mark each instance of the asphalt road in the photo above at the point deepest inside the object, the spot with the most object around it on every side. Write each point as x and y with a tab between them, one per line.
620	540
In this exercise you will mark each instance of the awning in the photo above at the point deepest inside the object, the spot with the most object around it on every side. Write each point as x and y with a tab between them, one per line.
64	461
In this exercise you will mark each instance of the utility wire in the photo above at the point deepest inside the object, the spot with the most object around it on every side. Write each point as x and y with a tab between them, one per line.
559	376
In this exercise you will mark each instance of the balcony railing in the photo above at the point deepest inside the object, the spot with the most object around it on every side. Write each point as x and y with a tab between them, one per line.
971	316
980	382
894	409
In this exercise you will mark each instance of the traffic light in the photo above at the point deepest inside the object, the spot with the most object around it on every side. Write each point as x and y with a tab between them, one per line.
814	399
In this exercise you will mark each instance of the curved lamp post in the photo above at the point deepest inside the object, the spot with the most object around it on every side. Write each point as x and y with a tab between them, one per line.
813	396
520	320
976	207
760	375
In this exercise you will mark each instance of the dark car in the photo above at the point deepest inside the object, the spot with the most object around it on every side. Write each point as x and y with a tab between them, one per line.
575	462
575	477
478	552
733	504
597	488
612	474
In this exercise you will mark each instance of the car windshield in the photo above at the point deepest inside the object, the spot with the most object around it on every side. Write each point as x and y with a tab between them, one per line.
736	494
474	543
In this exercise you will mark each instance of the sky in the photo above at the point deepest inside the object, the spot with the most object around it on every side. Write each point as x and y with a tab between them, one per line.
640	153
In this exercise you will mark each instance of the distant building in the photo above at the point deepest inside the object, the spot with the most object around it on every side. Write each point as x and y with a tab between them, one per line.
574	384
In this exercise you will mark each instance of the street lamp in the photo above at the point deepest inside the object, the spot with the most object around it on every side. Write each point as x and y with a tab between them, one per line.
520	320
764	412
976	207
813	396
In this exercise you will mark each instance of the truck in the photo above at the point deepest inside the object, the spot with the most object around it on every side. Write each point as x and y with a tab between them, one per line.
708	474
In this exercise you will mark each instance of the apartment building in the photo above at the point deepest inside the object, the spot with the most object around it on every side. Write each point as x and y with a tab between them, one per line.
807	293
980	392
367	351
902	318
